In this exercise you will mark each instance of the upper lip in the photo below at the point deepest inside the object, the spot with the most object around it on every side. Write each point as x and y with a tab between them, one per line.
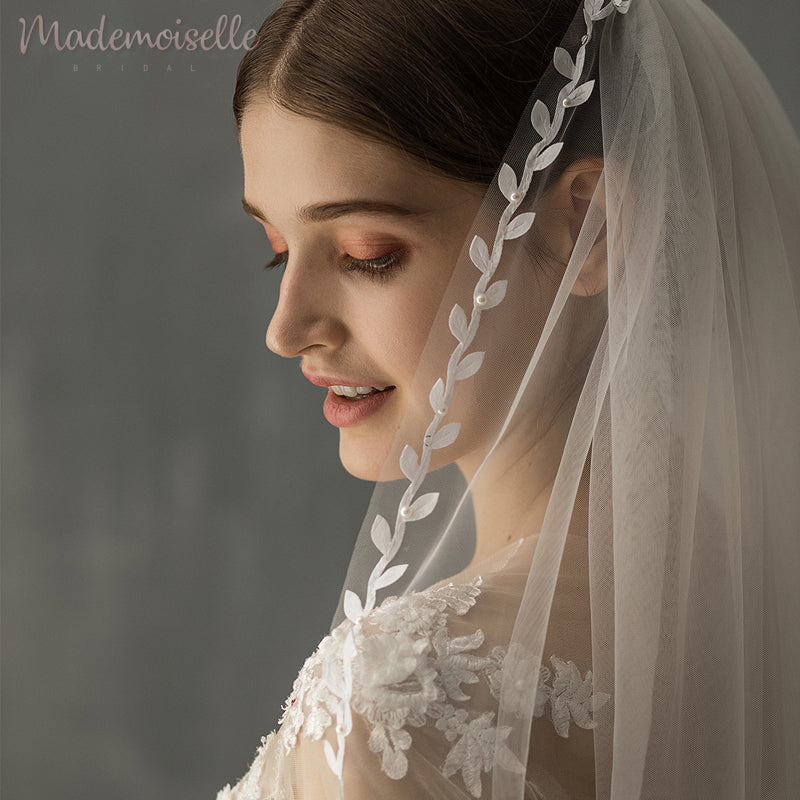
327	381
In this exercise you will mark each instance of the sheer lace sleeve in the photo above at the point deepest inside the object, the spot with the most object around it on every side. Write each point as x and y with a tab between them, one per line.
427	678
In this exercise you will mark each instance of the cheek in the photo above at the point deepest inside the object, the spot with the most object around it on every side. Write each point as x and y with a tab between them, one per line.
396	330
395	317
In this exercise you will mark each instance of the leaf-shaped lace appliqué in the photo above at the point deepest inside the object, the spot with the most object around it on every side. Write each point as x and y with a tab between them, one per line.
474	752
571	697
409	671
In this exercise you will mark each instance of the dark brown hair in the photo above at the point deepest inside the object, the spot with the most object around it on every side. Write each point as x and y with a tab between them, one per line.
443	80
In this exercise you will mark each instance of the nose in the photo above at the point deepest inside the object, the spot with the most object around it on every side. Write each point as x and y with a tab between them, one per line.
306	316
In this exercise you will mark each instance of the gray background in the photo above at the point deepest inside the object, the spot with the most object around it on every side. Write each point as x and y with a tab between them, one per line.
175	521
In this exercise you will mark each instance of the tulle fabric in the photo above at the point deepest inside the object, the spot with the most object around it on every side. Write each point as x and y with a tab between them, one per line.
300	771
660	401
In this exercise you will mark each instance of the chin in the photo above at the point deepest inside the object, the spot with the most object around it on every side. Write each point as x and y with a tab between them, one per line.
364	459
370	460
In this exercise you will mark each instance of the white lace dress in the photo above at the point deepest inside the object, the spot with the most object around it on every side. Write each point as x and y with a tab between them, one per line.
427	677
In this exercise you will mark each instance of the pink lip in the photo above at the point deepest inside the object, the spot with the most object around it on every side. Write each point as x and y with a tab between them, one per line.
343	412
325	380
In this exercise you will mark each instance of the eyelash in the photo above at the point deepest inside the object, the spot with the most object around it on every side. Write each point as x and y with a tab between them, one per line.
381	267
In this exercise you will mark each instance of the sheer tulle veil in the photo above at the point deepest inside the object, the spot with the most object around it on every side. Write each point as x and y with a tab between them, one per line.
634	412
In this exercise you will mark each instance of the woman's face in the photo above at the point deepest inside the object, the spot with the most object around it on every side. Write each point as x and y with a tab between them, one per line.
368	240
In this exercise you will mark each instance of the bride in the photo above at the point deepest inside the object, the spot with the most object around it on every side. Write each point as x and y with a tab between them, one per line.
543	256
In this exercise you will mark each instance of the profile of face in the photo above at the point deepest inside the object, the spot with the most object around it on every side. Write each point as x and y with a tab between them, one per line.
367	239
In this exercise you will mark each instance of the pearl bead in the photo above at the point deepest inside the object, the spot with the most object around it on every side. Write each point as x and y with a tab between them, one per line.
516	197
405	512
441	411
480	299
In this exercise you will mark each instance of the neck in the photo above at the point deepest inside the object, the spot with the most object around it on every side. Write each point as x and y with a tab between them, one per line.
510	494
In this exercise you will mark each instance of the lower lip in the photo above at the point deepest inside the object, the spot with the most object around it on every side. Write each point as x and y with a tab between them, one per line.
344	413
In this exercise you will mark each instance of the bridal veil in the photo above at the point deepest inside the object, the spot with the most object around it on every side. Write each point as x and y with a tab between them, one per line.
635	411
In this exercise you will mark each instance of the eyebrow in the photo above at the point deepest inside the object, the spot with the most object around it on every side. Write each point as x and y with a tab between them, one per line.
323	212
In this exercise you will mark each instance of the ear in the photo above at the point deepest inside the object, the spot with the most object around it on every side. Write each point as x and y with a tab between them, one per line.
577	188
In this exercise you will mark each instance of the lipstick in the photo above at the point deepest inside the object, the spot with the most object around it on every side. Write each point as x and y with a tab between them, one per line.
344	412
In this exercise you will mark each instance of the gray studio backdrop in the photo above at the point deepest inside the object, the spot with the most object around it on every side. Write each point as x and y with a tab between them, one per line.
175	522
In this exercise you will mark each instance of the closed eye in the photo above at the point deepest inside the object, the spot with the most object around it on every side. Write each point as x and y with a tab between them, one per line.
380	267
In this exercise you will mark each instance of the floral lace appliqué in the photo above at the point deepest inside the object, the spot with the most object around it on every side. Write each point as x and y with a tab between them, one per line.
571	697
409	671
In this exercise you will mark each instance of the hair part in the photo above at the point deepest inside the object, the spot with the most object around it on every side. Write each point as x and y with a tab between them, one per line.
445	81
